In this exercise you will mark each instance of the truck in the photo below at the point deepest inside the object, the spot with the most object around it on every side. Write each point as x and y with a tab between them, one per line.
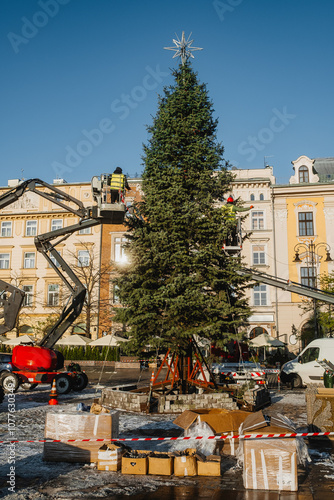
31	365
306	368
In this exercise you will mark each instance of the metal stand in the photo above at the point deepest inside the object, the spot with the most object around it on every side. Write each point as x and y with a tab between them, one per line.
184	373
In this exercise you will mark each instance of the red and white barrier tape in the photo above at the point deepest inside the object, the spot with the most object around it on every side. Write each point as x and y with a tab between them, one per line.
218	438
244	374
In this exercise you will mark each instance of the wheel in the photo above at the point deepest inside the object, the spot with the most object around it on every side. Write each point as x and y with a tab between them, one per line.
79	382
9	381
63	384
28	387
296	382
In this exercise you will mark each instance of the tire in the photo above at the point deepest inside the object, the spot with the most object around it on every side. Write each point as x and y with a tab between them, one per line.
2	394
63	384
28	387
296	382
10	382
79	382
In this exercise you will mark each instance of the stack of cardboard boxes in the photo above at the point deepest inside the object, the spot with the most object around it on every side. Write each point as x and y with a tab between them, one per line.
268	463
187	463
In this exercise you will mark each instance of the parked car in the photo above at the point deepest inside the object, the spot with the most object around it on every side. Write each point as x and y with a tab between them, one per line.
305	368
238	373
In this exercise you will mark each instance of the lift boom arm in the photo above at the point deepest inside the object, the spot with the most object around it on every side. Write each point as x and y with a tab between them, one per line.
290	286
11	297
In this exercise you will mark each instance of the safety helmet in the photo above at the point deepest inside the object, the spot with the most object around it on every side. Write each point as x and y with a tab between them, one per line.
230	199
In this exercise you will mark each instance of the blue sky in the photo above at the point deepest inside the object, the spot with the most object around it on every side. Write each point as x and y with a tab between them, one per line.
80	80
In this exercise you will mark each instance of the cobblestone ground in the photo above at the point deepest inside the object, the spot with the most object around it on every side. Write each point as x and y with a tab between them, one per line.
36	479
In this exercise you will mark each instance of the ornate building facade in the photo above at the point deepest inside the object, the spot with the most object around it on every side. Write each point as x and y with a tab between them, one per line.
297	217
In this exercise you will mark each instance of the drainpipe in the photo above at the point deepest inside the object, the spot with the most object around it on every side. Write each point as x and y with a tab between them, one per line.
99	290
275	259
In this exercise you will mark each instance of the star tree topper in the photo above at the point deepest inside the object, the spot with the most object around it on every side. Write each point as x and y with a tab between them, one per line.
183	48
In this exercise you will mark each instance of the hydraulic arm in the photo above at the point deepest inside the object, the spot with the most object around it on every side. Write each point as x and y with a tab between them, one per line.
290	286
103	211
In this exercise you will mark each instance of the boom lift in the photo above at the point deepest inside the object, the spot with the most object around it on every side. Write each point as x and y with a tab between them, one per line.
290	286
40	364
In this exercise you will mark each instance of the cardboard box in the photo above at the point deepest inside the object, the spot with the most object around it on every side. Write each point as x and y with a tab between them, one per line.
135	465
269	463
209	467
78	425
186	465
109	457
220	420
160	465
254	421
227	446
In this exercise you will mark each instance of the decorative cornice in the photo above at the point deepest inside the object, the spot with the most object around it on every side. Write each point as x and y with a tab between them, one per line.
305	205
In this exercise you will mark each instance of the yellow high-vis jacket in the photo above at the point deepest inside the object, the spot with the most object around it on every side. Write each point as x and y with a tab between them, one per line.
117	182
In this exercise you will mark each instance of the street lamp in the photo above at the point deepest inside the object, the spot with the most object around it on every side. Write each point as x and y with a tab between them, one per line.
312	252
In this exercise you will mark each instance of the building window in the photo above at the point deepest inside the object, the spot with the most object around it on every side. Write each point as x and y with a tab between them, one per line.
29	260
259	256
53	295
85	230
83	258
308	276
257	219
252	197
29	295
80	329
258	330
4	260
261	197
53	259
56	224
119	250
305	222
260	295
31	227
26	330
6	229
303	174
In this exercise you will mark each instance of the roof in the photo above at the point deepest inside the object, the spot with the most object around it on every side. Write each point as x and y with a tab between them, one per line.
324	167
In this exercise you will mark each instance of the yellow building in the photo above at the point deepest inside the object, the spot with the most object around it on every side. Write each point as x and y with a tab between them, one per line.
304	224
290	236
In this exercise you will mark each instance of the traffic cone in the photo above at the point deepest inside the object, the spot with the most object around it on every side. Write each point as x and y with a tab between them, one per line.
152	378
53	394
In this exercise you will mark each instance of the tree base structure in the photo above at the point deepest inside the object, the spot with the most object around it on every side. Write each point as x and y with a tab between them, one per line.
185	374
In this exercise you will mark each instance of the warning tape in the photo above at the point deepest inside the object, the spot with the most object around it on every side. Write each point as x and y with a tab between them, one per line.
244	374
271	370
184	438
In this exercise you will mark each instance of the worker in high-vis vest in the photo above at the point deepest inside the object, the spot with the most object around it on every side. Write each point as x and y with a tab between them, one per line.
230	213
118	183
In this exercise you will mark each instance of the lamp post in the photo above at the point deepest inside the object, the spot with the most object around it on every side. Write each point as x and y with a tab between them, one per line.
312	253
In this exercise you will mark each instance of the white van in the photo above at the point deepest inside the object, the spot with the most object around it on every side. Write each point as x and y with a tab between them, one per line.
305	369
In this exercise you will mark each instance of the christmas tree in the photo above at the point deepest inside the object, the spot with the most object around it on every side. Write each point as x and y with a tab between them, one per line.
179	282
